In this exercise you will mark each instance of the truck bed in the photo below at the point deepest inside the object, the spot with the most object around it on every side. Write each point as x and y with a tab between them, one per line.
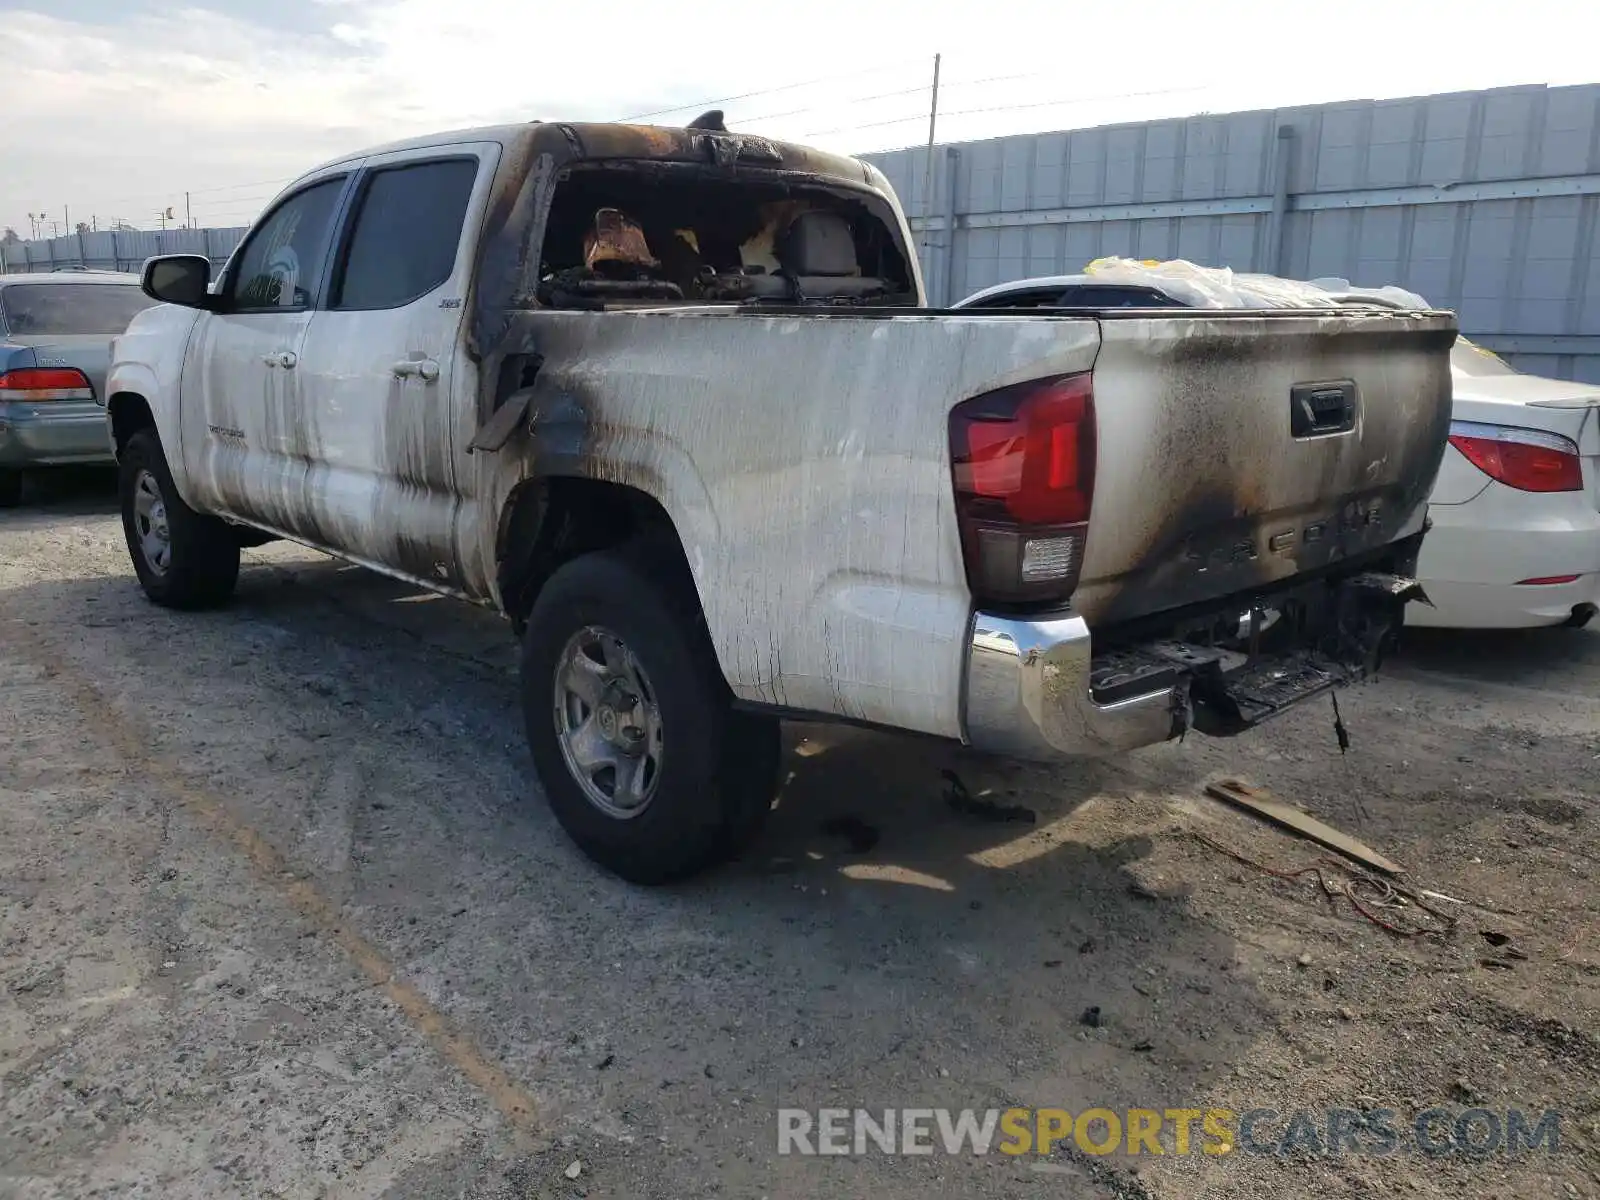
802	454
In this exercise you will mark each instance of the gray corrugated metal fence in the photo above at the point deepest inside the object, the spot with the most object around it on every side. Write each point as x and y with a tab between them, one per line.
119	251
1484	202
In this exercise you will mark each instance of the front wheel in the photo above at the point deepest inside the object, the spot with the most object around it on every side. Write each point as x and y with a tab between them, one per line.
643	760
184	559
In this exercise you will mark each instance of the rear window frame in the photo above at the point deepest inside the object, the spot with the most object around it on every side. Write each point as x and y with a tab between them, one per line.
344	234
7	329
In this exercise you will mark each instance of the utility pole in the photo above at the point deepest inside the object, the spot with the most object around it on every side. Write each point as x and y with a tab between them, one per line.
188	220
927	182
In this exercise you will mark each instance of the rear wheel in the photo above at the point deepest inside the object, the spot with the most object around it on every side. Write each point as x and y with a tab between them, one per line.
184	559
10	487
644	762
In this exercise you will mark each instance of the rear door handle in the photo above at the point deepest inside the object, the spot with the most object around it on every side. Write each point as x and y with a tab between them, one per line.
424	369
280	358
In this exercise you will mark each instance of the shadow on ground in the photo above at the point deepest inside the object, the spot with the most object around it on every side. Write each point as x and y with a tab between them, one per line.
876	947
50	494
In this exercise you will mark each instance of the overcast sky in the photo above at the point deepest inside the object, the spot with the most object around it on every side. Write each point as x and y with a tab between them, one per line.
117	107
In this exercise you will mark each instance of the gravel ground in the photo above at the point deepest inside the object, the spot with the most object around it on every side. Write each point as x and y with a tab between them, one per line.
282	914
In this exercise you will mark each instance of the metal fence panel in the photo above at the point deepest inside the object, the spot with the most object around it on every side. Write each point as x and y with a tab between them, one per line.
1484	202
119	250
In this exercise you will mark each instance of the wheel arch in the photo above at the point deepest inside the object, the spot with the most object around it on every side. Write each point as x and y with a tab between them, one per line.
128	412
551	519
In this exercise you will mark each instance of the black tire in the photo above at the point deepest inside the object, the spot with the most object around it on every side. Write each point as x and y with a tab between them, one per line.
718	767
203	566
10	487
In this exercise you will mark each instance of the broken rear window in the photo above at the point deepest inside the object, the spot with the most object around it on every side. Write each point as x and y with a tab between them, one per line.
666	232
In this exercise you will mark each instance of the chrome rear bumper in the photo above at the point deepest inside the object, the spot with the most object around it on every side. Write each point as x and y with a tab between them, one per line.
1027	694
1034	690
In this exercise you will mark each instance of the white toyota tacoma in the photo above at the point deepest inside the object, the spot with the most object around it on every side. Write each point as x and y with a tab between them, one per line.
670	400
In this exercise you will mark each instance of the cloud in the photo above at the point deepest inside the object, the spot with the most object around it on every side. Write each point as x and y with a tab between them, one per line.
117	107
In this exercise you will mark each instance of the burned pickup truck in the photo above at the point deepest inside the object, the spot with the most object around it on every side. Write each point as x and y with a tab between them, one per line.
671	400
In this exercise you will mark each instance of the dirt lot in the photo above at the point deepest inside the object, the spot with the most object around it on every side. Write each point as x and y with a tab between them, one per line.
282	914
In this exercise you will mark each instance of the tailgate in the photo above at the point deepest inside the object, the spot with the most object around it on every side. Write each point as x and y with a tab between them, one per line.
1239	450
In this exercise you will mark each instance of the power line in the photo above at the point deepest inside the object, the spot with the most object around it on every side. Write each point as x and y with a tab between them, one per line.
967	112
236	186
788	87
135	201
910	91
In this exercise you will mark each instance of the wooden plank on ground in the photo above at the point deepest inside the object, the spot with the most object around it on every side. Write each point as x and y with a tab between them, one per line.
1262	803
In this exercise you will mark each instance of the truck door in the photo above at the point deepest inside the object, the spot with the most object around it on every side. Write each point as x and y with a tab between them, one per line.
245	442
380	371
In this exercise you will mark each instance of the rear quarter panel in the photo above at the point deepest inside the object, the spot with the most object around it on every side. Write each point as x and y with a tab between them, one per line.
804	461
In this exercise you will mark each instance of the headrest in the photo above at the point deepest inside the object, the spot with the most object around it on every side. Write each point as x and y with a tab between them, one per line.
818	243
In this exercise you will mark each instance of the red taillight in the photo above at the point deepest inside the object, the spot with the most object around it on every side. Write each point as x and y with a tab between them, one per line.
1548	580
1531	460
1023	459
45	383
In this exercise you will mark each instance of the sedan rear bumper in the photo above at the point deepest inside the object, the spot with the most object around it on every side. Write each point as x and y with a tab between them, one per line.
54	434
1478	555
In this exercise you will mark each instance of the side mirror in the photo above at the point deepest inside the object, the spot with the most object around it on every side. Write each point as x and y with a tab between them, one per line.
178	279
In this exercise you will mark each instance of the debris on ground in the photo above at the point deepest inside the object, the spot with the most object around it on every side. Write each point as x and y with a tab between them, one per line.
574	1169
860	836
1091	1017
959	798
1262	803
1366	893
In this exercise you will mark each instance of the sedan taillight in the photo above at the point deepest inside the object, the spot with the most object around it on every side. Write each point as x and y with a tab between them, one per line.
1530	460
33	384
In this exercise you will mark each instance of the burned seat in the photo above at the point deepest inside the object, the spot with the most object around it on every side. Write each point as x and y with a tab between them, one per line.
818	252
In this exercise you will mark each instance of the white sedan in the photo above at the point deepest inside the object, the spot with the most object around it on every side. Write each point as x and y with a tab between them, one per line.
1515	541
1516	508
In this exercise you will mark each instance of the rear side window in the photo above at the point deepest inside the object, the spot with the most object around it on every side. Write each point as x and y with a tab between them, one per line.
1019	300
278	266
408	225
1114	297
68	309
